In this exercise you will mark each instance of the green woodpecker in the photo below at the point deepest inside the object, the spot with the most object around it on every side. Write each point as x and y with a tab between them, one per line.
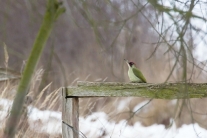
134	74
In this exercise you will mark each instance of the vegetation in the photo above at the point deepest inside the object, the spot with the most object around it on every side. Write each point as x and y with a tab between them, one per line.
90	41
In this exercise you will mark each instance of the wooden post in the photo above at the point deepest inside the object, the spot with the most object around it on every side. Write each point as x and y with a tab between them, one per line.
70	116
146	90
70	95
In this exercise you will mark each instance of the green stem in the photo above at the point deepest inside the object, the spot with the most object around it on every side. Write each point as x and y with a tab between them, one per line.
52	11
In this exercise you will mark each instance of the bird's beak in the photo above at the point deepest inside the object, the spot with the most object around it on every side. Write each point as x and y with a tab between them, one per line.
126	61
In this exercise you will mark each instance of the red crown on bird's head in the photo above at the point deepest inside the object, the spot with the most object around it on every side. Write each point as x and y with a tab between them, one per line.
131	63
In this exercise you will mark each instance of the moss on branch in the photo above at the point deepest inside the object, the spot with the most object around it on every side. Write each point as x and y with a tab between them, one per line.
146	90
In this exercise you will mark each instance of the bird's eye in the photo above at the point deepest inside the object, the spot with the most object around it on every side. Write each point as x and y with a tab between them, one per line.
131	63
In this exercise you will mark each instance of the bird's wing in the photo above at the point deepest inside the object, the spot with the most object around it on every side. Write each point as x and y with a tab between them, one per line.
139	75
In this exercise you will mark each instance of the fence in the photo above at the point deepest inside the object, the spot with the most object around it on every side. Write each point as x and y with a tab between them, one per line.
71	95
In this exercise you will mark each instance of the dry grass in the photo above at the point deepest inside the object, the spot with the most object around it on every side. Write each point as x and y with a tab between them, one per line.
157	111
78	56
50	102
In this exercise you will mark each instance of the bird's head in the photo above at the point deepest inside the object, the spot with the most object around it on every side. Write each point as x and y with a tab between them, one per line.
130	64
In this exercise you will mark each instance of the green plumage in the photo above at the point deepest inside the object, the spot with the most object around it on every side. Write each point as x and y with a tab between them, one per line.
135	75
139	74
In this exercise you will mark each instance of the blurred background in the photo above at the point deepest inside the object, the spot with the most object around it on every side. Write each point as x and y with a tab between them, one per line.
89	42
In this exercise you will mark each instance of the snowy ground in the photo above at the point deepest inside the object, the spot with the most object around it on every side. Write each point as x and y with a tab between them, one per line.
97	125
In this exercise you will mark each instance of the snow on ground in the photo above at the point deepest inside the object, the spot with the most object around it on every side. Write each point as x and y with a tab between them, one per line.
97	124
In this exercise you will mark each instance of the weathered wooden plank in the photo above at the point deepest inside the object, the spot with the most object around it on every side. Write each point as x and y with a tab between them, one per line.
147	90
66	130
75	117
70	116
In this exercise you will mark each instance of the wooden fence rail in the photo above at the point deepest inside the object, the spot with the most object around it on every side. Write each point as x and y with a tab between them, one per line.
70	96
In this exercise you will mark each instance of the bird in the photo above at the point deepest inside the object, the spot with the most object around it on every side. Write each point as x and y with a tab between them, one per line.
135	75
